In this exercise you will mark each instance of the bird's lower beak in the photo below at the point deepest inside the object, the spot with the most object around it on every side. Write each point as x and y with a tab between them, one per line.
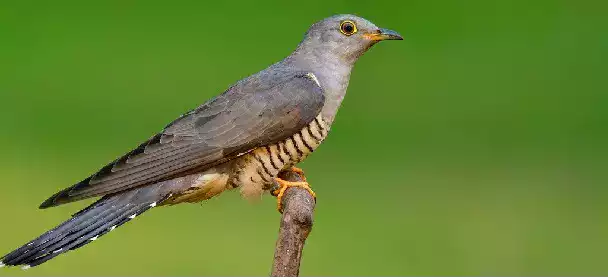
384	34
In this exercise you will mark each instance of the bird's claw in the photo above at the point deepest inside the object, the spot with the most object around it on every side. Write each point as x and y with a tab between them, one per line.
298	171
284	185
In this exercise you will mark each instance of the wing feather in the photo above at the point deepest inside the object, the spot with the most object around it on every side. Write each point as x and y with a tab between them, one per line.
253	113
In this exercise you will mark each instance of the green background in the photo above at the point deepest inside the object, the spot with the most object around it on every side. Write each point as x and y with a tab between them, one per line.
476	146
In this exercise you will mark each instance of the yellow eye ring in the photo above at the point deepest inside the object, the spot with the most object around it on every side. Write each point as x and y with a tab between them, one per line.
348	27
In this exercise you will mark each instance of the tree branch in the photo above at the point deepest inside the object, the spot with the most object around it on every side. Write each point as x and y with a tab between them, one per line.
296	224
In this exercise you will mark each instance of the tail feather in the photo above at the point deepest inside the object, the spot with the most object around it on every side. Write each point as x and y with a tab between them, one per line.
85	226
44	243
84	237
61	244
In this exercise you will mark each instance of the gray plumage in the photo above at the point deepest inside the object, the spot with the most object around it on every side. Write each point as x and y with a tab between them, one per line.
241	138
261	110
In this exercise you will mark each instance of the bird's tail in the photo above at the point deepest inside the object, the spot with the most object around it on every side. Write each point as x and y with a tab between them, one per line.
85	226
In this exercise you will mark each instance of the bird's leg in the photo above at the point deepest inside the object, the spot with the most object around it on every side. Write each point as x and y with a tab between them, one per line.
282	185
299	171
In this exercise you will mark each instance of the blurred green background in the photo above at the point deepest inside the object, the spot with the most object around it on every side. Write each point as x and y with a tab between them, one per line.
476	146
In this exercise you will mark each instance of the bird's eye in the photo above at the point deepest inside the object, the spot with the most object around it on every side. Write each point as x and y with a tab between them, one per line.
348	27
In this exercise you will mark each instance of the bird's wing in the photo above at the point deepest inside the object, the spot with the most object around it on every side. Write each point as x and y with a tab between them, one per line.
234	123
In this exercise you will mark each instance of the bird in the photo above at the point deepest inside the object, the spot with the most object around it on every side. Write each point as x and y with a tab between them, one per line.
241	139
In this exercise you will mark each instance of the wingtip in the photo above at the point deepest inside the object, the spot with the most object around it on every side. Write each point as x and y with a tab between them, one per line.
55	200
64	196
45	205
48	204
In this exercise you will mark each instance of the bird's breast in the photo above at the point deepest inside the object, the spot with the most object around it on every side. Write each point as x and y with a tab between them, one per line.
256	170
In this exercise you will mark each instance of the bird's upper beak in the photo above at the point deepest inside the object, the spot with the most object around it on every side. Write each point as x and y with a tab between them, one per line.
383	34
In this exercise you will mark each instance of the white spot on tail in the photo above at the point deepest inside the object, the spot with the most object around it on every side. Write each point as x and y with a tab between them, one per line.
94	238
58	250
133	216
113	227
153	205
26	267
2	264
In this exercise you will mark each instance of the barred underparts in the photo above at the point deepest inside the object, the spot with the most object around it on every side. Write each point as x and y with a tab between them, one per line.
256	170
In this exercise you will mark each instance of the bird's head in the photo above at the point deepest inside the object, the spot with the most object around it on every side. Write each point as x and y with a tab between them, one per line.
345	37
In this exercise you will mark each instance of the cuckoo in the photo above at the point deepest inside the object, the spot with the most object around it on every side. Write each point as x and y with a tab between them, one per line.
243	138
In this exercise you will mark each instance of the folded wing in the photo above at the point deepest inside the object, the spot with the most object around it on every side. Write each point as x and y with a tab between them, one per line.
244	117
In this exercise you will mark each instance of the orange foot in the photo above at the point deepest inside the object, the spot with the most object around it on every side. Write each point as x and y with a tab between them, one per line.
299	171
284	185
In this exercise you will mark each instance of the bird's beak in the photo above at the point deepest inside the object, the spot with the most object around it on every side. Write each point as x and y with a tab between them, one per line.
383	34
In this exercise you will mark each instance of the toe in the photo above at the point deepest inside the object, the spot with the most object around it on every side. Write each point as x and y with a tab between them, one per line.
297	170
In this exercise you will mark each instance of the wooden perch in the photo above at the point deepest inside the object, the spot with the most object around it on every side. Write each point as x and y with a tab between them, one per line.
296	224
